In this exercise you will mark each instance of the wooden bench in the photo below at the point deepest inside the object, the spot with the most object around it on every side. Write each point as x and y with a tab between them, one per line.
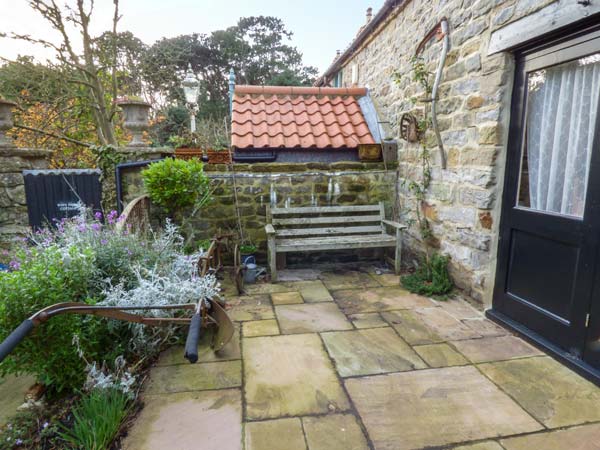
319	228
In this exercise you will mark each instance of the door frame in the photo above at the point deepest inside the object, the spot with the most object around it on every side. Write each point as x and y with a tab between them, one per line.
573	36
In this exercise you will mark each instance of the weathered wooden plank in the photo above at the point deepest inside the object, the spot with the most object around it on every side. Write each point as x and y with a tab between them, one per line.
550	18
325	220
335	243
328	231
323	209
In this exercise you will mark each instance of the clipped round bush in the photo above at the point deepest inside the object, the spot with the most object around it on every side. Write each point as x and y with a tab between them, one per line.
176	184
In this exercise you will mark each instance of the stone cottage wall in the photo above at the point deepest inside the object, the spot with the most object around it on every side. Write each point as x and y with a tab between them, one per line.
473	114
14	219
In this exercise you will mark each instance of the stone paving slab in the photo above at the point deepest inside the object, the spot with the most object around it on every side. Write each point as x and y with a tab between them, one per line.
194	377
251	307
12	393
586	437
487	445
379	299
435	407
267	288
410	326
387	279
274	434
499	348
549	391
347	279
211	420
311	318
485	327
231	351
256	328
370	351
334	432
289	376
313	291
443	324
460	309
367	320
440	355
286	298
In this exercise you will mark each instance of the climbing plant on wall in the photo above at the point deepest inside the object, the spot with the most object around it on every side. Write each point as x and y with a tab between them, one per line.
432	277
420	186
107	158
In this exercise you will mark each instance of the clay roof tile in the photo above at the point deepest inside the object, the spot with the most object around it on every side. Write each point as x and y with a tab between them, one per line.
298	117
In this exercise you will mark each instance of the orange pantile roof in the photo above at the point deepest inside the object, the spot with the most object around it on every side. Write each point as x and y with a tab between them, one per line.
298	117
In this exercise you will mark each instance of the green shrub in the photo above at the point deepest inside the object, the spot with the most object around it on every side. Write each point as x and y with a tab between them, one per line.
431	278
97	417
247	249
44	277
176	184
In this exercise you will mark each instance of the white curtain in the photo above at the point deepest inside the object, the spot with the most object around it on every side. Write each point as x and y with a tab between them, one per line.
561	117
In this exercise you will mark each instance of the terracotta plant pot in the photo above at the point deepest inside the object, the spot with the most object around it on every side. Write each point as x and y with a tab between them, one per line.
188	153
219	156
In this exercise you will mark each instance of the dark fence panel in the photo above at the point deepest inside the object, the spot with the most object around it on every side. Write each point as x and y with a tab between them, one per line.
55	194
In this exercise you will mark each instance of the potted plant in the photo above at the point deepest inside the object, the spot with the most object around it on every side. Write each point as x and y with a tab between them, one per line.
248	251
186	145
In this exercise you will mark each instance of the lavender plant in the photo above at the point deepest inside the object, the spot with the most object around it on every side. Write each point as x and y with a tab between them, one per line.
88	260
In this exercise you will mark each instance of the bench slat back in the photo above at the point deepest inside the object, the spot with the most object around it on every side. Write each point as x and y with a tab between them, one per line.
314	221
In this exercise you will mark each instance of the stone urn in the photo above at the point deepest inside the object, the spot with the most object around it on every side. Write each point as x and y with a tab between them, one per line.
135	120
6	121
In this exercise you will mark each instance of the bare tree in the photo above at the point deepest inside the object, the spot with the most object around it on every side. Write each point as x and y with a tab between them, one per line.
74	20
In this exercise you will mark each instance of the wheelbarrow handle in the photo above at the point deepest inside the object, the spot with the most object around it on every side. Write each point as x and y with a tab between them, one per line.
15	337
193	337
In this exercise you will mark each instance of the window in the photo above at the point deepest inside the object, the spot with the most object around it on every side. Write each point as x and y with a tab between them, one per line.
338	79
354	74
562	104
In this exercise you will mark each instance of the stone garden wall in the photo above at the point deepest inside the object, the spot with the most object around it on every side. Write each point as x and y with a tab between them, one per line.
473	113
280	184
14	219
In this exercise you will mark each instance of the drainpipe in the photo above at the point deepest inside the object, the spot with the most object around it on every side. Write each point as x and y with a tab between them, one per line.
231	89
436	85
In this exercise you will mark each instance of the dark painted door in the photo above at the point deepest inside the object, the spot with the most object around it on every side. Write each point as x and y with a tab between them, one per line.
548	257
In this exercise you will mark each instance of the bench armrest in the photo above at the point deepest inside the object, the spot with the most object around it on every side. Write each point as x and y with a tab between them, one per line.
269	229
391	223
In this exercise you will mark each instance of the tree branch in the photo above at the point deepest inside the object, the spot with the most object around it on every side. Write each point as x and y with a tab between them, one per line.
53	135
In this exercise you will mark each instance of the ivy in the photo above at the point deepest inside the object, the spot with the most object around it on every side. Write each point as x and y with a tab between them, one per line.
107	158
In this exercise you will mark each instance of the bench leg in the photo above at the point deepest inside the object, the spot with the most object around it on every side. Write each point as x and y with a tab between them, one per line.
272	258
398	256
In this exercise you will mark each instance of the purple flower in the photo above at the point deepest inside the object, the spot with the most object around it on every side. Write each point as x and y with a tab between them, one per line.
112	216
14	265
81	228
98	215
18	442
103	241
96	226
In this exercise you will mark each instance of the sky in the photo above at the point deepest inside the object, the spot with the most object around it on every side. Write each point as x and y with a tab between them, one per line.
320	27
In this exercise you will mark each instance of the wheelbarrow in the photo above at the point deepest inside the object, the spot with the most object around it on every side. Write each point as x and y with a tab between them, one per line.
207	314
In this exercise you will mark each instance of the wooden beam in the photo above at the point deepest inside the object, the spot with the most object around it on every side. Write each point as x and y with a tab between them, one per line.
548	19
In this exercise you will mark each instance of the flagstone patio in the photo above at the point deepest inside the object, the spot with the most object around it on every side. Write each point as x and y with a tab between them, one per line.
352	361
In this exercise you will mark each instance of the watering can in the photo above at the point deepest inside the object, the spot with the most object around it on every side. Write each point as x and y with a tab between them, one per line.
252	270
